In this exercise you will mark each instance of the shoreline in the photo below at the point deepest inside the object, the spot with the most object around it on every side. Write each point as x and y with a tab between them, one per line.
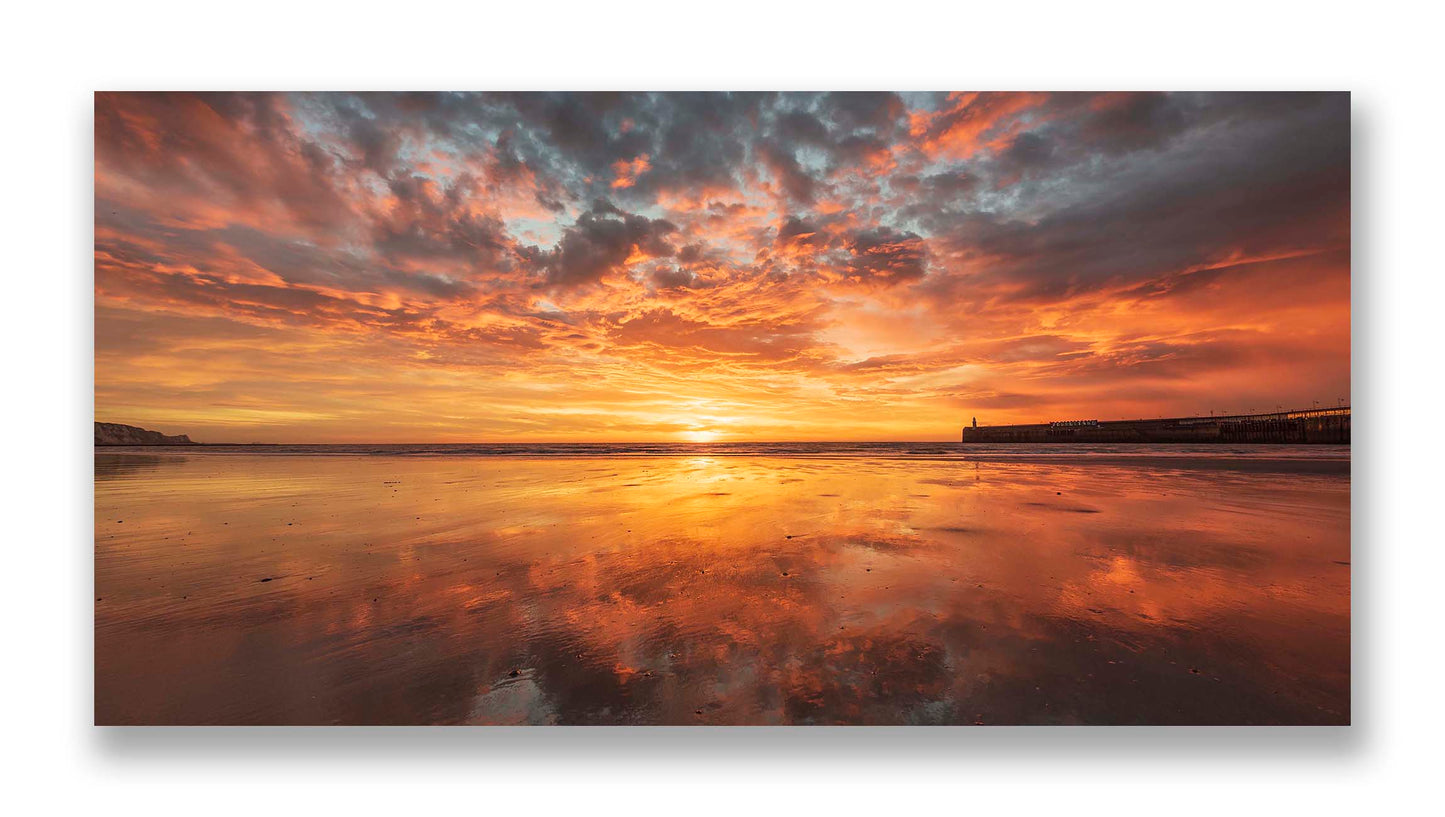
1314	460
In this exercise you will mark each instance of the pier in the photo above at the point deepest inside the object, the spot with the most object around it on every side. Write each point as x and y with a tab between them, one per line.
1308	426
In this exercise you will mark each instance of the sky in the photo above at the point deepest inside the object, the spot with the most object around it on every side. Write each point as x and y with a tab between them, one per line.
703	266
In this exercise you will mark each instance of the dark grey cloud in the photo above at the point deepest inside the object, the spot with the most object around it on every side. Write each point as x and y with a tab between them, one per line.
781	160
883	255
430	222
672	278
598	244
1030	149
796	230
882	112
1249	183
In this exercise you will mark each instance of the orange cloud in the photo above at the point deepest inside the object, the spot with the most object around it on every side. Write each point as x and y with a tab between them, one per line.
628	171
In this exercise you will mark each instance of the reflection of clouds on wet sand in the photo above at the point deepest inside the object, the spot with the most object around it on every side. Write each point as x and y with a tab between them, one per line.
717	590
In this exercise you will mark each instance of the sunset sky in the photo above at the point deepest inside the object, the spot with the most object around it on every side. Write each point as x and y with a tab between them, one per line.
592	267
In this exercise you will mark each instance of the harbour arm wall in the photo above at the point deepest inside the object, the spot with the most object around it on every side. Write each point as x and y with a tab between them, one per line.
1310	426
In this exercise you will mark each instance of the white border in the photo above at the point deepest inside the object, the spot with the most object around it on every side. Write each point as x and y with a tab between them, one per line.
56	56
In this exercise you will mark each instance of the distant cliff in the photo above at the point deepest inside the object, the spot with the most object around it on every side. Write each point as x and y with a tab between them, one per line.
117	434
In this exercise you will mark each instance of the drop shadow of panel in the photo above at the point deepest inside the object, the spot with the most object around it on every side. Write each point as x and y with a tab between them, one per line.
686	745
1366	382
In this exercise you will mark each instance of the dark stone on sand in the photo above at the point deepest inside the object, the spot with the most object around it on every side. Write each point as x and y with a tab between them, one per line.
513	674
267	579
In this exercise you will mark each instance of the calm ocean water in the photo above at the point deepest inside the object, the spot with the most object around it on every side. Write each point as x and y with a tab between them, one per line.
776	449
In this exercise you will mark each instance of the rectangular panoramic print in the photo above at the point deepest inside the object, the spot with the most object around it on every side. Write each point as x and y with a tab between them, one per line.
722	408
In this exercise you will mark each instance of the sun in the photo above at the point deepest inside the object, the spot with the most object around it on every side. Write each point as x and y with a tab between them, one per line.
700	435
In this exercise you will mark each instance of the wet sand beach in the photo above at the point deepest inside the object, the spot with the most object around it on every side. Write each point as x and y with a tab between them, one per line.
247	587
